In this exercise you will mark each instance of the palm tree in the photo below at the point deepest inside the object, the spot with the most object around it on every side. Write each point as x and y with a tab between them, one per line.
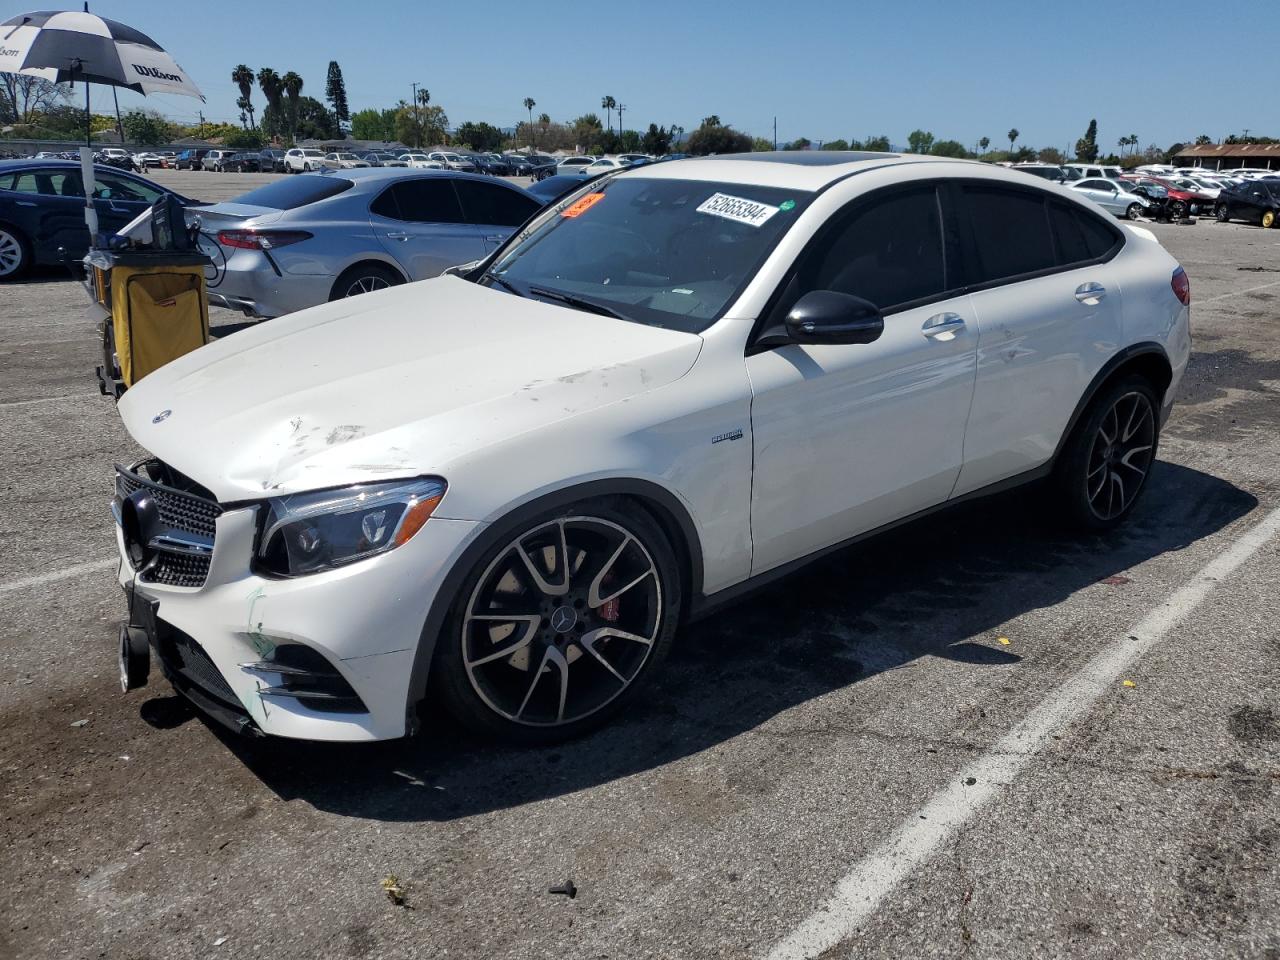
1133	142
1012	135
272	87
607	104
529	104
984	143
292	84
242	77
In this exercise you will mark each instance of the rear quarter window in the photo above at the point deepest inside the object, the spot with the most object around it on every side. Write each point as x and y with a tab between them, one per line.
1010	230
1080	236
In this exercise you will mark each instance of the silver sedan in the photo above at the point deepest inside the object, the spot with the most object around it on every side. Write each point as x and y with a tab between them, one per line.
1112	196
299	241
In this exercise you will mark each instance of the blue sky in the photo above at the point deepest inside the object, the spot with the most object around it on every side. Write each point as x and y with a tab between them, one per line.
826	69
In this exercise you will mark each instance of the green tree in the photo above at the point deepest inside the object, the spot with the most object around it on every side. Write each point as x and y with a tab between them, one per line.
421	127
335	91
587	132
1013	136
242	77
836	145
1203	140
607	104
314	121
1051	155
714	137
880	143
799	143
656	141
1087	146
145	127
370	124
243	140
761	145
292	84
22	97
919	141
948	148
984	143
479	136
273	116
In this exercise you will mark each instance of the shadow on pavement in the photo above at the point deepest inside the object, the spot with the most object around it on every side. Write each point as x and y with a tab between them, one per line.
933	588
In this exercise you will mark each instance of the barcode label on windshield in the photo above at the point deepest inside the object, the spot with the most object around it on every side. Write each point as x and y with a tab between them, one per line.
750	212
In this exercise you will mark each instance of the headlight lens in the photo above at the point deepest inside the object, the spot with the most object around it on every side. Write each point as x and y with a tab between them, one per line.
309	532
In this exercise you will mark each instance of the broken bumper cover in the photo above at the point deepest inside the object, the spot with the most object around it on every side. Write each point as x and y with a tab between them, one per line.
365	620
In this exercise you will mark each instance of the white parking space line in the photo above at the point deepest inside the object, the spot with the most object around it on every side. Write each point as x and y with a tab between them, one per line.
70	396
862	890
65	573
1237	293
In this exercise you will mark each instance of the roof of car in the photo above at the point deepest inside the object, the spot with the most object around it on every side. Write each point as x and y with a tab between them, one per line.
793	169
364	174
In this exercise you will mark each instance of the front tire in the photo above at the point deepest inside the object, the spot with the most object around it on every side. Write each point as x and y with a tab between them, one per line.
1220	211
1178	210
1103	468
1268	218
1134	212
15	253
560	623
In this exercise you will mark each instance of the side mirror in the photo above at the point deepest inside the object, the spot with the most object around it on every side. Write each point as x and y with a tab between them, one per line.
825	316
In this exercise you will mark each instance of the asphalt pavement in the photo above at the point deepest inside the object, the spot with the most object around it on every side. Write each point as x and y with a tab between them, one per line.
973	737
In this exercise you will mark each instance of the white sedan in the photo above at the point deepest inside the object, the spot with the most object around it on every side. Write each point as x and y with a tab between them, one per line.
420	161
1112	196
504	490
344	161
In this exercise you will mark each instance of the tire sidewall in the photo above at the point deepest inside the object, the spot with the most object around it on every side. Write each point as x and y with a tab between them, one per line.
350	275
448	679
1073	463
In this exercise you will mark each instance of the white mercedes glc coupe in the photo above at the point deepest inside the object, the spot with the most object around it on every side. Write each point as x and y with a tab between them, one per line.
504	490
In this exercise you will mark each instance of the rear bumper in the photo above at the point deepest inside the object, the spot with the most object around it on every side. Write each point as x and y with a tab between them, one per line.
248	283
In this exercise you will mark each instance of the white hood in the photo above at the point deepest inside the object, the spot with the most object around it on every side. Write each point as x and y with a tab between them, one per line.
388	385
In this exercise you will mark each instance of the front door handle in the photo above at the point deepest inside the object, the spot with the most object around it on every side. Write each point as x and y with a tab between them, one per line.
1090	292
943	326
398	236
496	238
25	203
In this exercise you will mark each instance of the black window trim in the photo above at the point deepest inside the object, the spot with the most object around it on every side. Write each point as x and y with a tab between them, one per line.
1046	197
953	255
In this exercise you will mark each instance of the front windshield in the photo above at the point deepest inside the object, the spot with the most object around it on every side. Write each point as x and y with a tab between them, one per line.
667	253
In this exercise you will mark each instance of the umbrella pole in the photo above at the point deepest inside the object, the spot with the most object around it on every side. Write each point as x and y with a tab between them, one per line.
88	117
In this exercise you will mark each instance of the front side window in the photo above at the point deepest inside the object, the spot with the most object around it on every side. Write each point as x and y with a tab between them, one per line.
1010	230
420	201
890	252
668	253
50	183
112	187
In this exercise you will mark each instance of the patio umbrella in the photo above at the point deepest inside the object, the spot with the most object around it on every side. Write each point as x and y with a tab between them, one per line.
64	46
68	45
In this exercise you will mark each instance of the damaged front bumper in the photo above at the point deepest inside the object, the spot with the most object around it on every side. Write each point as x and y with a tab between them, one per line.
322	657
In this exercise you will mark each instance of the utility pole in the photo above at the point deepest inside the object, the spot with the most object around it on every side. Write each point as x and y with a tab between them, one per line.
775	133
200	114
620	109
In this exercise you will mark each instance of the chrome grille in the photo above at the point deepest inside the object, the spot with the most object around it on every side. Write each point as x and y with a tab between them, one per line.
189	511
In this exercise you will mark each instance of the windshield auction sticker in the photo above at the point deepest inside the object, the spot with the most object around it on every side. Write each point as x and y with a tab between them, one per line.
582	205
737	209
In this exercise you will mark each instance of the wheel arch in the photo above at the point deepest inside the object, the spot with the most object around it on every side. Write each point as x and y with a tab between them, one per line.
663	506
367	260
1148	359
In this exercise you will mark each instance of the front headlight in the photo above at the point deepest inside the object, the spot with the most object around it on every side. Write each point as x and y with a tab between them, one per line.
310	532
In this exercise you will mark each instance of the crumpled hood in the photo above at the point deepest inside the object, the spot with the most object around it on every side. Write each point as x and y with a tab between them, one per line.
391	384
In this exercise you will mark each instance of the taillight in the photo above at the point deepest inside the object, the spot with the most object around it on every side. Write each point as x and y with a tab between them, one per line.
261	239
1181	284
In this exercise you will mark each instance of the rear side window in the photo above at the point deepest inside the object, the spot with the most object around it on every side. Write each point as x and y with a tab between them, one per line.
1010	231
492	205
1079	235
425	200
293	192
889	252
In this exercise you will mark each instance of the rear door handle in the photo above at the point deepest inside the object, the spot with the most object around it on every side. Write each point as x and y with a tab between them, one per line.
25	203
398	236
1090	292
496	238
943	326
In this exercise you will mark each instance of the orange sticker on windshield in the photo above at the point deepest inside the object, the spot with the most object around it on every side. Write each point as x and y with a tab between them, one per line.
581	206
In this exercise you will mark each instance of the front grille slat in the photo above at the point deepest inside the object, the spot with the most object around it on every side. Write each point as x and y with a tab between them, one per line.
180	510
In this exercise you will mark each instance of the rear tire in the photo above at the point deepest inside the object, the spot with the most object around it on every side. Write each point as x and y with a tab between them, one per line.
1220	211
15	253
577	651
1103	468
364	278
1178	210
1268	219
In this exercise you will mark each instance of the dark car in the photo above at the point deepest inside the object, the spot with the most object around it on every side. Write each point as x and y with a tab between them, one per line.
551	189
271	161
190	159
1254	201
42	210
242	163
520	166
542	167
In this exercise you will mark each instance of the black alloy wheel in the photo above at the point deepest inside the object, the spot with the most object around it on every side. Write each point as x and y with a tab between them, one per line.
1104	465
564	619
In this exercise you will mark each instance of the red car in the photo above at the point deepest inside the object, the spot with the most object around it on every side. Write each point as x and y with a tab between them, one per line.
1184	197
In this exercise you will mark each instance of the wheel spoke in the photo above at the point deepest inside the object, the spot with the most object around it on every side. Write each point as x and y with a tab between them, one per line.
597	602
1125	460
531	622
593	593
601	632
588	643
1135	427
561	562
1116	482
